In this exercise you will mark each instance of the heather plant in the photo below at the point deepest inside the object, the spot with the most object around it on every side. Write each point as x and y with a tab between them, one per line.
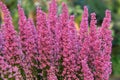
52	48
11	48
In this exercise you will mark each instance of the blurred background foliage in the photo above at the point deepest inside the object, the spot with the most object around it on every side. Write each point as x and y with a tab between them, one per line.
76	8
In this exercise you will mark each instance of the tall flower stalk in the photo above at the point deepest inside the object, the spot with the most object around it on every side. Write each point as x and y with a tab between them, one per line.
11	49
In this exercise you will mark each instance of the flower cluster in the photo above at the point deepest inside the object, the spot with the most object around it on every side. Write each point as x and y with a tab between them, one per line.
54	49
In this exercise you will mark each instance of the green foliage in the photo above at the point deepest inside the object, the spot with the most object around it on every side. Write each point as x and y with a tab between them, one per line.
116	60
96	6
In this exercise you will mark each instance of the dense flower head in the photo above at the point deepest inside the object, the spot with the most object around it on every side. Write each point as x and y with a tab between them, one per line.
84	25
11	38
69	51
64	14
11	52
51	74
22	17
44	41
28	36
22	22
1	41
53	49
105	36
53	10
94	46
